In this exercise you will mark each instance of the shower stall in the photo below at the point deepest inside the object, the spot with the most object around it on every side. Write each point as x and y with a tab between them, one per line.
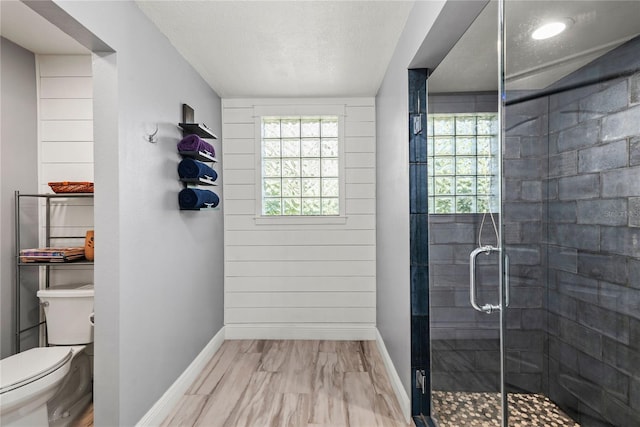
525	176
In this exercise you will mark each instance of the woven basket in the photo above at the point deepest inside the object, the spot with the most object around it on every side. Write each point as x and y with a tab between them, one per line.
71	187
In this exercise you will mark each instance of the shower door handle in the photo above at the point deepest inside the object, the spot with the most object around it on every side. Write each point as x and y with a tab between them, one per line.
486	308
506	280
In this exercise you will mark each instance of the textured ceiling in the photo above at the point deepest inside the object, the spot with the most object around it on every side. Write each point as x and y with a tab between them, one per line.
284	48
598	26
18	23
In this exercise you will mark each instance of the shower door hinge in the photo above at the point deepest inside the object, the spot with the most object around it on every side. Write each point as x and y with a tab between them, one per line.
417	124
421	380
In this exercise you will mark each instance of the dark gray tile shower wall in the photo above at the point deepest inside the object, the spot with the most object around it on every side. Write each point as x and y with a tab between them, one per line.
523	207
594	301
590	240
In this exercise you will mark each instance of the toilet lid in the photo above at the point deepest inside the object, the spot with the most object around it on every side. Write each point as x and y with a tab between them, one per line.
30	365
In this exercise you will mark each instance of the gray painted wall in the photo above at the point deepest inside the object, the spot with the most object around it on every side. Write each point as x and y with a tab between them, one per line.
393	313
19	165
159	271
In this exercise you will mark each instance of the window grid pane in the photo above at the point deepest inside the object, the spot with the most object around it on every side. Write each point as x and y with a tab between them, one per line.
461	151
300	166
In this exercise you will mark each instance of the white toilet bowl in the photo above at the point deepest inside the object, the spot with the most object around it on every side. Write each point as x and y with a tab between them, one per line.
28	380
50	386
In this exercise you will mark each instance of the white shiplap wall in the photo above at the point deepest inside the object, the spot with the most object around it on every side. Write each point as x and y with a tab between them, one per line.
66	150
299	280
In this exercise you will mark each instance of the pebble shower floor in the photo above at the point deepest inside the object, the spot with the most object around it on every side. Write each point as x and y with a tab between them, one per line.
455	409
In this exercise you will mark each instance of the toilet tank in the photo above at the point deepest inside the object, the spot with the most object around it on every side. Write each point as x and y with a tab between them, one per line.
67	310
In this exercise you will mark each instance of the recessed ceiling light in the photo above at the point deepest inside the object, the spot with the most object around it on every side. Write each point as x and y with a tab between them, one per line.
550	29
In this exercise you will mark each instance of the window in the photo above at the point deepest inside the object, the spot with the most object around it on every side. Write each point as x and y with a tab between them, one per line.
300	166
461	150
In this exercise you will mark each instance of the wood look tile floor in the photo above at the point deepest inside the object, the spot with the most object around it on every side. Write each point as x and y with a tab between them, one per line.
265	383
86	419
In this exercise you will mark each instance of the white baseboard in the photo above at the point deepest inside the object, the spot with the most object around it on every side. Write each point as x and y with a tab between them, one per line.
398	388
171	397
299	332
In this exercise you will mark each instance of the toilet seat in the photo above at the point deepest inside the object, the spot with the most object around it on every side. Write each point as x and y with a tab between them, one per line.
31	365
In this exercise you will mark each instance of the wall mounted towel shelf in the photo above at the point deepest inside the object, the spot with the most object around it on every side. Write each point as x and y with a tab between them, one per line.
216	208
202	156
188	127
199	129
198	181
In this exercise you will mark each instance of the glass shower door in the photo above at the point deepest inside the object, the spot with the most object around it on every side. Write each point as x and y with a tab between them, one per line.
570	212
554	241
463	175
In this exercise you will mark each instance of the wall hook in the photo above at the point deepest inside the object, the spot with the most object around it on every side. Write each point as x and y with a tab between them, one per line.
152	136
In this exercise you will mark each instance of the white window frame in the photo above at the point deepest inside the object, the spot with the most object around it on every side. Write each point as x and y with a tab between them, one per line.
299	111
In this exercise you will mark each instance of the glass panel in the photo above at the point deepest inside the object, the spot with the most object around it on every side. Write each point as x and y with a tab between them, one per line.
444	146
465	204
311	206
330	207
291	207
487	125
444	205
290	148
329	147
484	145
443	166
271	168
485	166
310	167
465	358
444	186
310	187
290	128
465	125
310	128
570	228
444	126
465	165
310	148
290	167
484	185
272	207
329	128
483	205
465	185
272	187
291	187
329	167
270	128
330	187
465	145
271	148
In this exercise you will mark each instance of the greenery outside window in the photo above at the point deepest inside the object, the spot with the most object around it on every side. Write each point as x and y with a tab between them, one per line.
461	156
300	166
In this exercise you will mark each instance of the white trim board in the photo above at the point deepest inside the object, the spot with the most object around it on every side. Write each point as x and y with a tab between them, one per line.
167	402
394	378
300	332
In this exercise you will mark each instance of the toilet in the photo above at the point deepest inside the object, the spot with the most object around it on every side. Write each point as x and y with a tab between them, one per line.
51	386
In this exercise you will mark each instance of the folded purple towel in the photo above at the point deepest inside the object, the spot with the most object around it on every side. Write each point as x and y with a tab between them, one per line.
195	143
